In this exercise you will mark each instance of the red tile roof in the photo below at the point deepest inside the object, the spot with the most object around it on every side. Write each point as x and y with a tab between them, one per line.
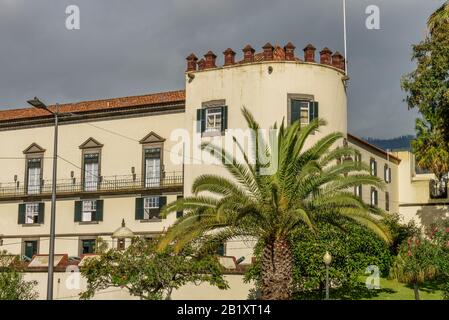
97	105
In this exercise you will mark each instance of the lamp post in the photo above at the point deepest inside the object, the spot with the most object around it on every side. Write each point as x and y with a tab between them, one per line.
327	261
51	255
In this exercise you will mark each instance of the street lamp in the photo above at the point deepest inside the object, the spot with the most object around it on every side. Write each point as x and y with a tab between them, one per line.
327	261
51	255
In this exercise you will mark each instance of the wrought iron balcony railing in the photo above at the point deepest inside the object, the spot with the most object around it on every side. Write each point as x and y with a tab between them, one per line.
104	184
438	189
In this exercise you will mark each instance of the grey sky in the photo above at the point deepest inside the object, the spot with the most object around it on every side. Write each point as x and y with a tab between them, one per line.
139	46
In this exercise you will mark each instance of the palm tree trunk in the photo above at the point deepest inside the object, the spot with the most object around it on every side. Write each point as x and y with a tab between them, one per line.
416	290
277	270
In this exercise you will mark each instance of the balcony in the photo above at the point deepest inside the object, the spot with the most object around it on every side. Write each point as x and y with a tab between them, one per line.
106	185
438	189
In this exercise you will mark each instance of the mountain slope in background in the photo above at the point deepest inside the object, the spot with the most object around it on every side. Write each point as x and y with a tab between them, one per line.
399	143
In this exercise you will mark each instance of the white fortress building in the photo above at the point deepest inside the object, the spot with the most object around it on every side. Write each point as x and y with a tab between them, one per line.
120	158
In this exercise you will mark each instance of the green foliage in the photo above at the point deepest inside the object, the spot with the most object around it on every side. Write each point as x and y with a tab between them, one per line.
12	284
439	234
430	148
420	260
149	274
353	249
427	89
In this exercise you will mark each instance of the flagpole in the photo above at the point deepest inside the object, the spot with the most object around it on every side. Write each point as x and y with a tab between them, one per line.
344	35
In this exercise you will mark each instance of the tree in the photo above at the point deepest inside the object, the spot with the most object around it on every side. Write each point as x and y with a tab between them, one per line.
427	87
12	284
309	185
149	274
430	150
419	260
439	17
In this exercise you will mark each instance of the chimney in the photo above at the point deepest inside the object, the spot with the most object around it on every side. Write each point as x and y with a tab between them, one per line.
289	52
309	53
268	51
337	60
201	64
248	53
210	60
229	57
191	62
325	56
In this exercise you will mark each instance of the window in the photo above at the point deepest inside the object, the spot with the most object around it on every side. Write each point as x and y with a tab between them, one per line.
374	197
91	171
121	244
31	213
358	157
358	191
387	201
373	167
387	173
33	179
88	246
151	208
180	213
152	167
148	208
221	250
303	110
212	120
30	248
89	211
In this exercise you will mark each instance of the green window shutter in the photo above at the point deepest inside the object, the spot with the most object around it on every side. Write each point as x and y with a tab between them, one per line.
162	202
224	118
201	120
295	111
198	120
21	219
99	213
41	212
78	210
139	208
313	110
180	213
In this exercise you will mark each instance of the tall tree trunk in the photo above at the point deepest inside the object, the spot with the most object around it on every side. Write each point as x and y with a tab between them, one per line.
416	290
277	270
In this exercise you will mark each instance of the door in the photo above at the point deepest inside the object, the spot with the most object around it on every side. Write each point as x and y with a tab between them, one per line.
152	167
91	171
30	249
34	176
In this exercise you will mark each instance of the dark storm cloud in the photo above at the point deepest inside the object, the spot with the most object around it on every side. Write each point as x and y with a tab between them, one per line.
136	47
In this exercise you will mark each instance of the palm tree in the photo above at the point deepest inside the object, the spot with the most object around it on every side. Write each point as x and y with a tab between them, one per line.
440	16
308	186
430	153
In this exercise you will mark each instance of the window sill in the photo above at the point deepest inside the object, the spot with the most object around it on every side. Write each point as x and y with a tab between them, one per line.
88	222
151	220
212	134
31	224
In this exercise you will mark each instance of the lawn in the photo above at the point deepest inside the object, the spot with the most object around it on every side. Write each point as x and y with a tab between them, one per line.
393	290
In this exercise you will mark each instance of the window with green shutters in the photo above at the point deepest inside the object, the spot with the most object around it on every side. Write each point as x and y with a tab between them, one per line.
31	213
88	211
149	208
212	120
